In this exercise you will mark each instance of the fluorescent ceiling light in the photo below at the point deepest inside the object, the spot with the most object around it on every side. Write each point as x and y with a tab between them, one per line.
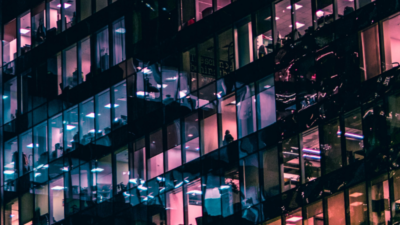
95	170
163	86
141	187
66	5
356	203
57	188
70	127
24	31
109	105
311	151
296	6
356	194
171	78
5	96
294	219
320	13
224	187
179	184
92	131
312	156
8	172
120	30
194	192
37	174
90	115
298	25
30	145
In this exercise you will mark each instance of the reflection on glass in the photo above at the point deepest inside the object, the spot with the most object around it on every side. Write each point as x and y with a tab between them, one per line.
226	53
324	12
311	154
270	172
188	16
315	214
119	41
294	218
10	43
139	164
266	110
170	81
40	151
56	137
102	50
264	32
246	110
11	212
345	7
396	195
11	164
39	24
291	163
103	108
10	100
25	32
358	204
364	2
244	53
283	20
303	12
193	202
250	186
119	108
57	200
71	134
70	13
101	4
370	58
122	167
331	146
227	109
392	44
173	154
354	136
207	67
191	137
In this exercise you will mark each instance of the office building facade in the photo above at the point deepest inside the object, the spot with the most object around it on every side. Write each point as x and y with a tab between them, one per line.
197	112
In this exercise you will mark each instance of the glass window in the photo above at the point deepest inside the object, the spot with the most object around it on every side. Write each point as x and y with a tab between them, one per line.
250	187
207	73
71	134
188	16
54	71
246	110
70	13
39	24
226	53
227	109
57	200
156	161
122	167
291	163
101	4
71	77
294	217
173	156
283	20
303	15
102	50
103	117
40	151
331	146
72	200
314	214
266	110
275	221
85	60
244	42
26	91
345	7
191	137
10	42
55	17
56	136
103	175
11	212
119	109
324	12
270	172
41	203
86	124
363	3
396	196
209	127
212	195
392	44
139	163
87	185
86	9
358	204
119	41
25	148
188	73
380	202
26	210
11	164
193	202
370	58
25	32
175	206
354	136
264	39
311	154
10	100
336	211
170	81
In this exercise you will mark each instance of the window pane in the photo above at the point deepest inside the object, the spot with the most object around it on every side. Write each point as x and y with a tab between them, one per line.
266	110
173	154
40	151
170	81
227	109
71	134
56	136
85	59
86	186
392	44
294	218
324	12
102	50
122	166
336	212
119	41
72	199
204	8
86	126
139	170
188	75
70	13
396	195
291	164
354	136
244	43
38	24
188	14
207	73
103	107
26	91
380	202
212	196
193	201
10	42
25	147
304	22
100	4
55	17
226	53
11	164
10	100
250	187
209	127
345	7
311	154
358	205
175	206
191	136
42	203
283	20
270	171
86	9
54	71
71	69
25	33
370	60
120	105
103	174
11	212
264	32
315	214
246	110
57	200
331	146
156	161
363	3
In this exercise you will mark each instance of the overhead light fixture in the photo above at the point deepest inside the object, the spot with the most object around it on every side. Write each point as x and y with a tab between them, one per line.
224	187
312	156
97	170
5	96
194	192
179	184
357	136
294	219
37	174
311	151
298	25
356	194
57	188
356	204
30	145
171	78
92	131
109	105
120	30
70	127
142	188
320	13
24	31
296	6
90	115
8	172
66	5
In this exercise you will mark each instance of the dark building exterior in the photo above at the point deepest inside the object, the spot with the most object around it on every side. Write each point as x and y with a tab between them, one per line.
197	112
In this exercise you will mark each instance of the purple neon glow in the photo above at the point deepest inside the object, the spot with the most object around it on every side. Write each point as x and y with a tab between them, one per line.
311	151
351	135
312	156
